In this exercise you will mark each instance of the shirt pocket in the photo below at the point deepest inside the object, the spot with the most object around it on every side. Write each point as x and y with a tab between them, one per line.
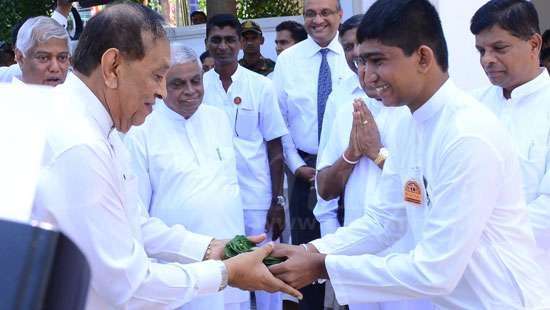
533	165
246	123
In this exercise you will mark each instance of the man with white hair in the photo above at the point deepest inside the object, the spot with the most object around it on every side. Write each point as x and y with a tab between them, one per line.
185	165
42	53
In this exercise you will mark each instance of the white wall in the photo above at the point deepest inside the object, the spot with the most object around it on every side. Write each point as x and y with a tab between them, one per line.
543	8
455	16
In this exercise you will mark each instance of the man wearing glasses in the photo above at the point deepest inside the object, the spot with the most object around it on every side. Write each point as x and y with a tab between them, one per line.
304	76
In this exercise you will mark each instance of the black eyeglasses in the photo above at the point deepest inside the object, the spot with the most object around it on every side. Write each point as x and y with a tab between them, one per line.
310	14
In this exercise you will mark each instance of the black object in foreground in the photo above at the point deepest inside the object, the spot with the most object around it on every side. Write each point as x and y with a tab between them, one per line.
240	244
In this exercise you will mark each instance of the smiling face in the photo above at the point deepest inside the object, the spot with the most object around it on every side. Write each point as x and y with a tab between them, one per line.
223	45
508	60
185	88
46	63
321	20
140	82
387	73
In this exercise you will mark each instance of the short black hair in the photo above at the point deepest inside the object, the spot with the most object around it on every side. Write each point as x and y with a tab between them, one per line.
195	13
119	26
546	37
406	24
350	23
223	20
518	17
204	55
297	30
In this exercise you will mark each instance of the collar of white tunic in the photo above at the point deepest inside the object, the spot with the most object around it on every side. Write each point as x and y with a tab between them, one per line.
312	48
541	81
91	106
234	77
435	103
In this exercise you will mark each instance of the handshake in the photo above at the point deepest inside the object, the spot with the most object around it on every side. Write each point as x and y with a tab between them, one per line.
273	267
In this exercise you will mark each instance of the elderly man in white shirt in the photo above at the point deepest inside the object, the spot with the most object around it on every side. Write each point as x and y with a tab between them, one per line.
250	103
41	52
89	192
39	33
304	76
509	46
185	165
455	182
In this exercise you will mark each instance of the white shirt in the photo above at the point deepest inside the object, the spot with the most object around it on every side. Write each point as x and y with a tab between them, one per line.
295	78
474	247
526	115
87	190
361	186
58	17
7	74
255	120
186	171
326	211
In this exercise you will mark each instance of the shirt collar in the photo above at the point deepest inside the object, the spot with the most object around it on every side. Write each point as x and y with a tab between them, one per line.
351	84
435	103
234	77
541	81
90	103
314	48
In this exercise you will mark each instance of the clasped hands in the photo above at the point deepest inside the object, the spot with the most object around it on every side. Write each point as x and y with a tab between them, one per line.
364	136
248	272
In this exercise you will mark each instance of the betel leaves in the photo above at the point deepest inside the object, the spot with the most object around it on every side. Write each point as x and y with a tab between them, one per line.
240	244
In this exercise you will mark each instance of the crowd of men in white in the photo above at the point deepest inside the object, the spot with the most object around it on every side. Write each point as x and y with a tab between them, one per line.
446	194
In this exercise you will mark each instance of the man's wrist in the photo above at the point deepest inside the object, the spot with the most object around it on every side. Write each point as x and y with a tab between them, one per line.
224	271
278	200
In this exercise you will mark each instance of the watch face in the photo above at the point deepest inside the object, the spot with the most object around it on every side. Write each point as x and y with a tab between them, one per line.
281	200
384	151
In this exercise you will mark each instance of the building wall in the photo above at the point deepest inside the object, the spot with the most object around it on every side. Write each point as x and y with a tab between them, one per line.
543	8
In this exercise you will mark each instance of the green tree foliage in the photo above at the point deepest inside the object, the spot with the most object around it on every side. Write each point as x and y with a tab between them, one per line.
14	11
248	9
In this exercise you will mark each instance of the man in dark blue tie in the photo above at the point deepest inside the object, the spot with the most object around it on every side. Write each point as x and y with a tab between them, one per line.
304	76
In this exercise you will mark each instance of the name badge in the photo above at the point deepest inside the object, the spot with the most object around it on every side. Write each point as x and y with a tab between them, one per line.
413	193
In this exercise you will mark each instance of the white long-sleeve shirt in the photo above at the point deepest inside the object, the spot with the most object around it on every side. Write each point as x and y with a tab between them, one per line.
526	115
187	174
87	190
251	107
362	183
456	183
295	78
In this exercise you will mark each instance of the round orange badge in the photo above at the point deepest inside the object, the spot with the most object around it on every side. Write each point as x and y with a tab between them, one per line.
237	100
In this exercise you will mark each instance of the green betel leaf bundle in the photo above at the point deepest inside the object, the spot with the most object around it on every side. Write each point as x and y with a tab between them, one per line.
240	244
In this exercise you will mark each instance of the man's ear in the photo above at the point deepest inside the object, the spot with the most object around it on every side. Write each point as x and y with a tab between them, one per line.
262	39
535	42
110	66
19	56
426	58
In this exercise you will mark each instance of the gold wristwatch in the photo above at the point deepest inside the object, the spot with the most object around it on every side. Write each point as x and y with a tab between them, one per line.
382	155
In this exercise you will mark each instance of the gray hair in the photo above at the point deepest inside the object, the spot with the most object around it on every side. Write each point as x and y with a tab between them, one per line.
181	54
38	30
338	5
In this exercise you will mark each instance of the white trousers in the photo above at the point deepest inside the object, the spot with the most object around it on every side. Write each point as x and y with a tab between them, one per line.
254	224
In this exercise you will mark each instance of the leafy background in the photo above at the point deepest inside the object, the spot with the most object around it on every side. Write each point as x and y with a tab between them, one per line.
13	11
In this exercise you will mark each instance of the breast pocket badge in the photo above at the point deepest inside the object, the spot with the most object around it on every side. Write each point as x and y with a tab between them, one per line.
413	193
